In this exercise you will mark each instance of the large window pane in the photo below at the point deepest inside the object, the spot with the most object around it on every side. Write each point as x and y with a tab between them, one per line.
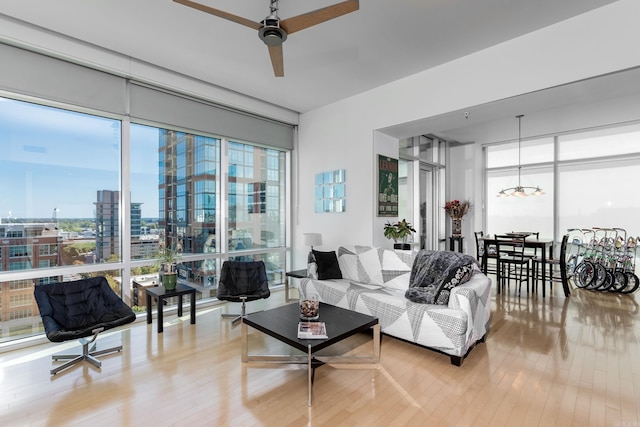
591	195
187	191
256	197
531	152
145	190
600	143
532	213
57	168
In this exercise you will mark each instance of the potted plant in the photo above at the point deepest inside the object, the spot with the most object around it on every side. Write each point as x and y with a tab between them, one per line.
168	259
401	230
391	232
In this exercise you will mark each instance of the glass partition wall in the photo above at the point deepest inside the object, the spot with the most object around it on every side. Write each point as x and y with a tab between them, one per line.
63	215
586	175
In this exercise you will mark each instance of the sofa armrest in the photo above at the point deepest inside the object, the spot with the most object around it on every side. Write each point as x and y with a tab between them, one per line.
474	298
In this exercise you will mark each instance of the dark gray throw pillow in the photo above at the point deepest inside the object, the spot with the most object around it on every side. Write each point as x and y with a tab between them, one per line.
327	263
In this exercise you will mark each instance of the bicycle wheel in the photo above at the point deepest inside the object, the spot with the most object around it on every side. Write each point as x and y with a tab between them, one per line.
608	281
632	283
599	278
619	281
584	274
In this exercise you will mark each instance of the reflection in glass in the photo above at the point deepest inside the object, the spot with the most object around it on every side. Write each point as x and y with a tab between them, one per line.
256	197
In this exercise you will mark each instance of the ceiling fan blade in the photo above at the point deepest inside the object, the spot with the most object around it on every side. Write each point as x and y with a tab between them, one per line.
275	52
221	13
306	20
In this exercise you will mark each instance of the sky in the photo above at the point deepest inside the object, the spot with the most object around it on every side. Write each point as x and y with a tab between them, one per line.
57	159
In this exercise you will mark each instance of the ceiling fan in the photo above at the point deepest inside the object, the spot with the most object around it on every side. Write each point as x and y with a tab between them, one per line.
272	31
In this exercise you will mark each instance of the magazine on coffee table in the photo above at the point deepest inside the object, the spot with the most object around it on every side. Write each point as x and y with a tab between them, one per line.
312	330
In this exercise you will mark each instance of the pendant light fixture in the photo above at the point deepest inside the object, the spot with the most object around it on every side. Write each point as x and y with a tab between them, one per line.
519	190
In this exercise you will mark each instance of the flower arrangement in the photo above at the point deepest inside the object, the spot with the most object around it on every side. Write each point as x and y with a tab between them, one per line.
456	209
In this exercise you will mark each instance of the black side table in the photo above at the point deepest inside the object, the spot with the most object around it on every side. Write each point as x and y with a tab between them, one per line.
453	240
297	274
160	294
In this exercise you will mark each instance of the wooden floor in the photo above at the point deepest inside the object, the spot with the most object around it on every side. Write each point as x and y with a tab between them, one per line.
546	362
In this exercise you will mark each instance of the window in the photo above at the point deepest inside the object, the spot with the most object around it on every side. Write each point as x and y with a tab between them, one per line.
66	204
20	300
590	176
256	217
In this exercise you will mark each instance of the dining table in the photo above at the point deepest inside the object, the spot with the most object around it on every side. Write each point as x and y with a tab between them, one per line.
536	243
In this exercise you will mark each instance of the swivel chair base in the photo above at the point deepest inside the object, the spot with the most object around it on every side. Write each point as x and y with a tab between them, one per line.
88	355
238	317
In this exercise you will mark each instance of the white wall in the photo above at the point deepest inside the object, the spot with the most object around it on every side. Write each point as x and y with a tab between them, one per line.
341	135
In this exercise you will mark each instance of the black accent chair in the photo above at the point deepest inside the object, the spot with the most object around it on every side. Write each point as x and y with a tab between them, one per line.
79	309
242	281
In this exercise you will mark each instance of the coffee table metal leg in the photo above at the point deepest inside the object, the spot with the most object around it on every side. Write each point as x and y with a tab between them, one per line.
376	344
309	372
244	343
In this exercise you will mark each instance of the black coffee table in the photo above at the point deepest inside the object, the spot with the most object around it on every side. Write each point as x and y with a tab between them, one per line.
282	324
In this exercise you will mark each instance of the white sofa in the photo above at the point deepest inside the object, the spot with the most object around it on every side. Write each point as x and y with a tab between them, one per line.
374	281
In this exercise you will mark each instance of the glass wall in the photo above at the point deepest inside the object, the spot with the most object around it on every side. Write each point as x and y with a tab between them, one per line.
61	206
587	176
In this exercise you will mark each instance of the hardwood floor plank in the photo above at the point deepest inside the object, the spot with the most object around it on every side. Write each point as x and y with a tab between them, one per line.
546	361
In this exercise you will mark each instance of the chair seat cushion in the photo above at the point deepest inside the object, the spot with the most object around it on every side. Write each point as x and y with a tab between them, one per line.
72	310
243	279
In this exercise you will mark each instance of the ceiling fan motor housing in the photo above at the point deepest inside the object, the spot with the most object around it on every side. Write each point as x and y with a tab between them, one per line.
271	33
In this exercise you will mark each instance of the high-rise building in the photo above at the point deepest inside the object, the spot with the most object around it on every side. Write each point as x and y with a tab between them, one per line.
108	232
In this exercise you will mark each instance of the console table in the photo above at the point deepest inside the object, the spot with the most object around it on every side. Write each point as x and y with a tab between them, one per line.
453	240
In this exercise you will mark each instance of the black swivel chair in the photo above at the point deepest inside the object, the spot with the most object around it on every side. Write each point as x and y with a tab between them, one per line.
242	281
79	309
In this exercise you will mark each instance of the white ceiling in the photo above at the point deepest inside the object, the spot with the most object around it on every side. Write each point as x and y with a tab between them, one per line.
383	41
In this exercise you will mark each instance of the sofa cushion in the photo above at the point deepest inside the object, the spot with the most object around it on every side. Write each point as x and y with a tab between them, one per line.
370	267
327	265
376	266
435	273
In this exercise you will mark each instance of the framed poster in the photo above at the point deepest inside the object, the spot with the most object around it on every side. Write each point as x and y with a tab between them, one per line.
387	186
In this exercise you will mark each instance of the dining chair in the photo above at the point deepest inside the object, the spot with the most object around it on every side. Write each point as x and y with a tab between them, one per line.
528	252
512	265
491	255
556	269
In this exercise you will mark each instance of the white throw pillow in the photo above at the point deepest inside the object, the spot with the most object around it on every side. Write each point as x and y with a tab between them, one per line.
348	263
370	267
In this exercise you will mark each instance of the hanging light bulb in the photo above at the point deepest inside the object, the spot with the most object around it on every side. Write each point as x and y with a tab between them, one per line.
519	190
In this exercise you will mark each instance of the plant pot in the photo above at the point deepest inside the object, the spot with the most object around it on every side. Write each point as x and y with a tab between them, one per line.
169	281
402	246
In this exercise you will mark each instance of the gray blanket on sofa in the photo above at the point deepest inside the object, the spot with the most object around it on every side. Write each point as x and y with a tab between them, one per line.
435	273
